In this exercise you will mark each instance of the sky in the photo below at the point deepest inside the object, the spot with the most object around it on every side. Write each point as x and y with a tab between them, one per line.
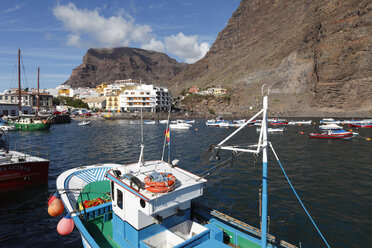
55	34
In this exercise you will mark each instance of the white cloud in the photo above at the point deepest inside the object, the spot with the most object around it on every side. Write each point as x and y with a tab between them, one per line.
186	47
16	7
154	45
88	26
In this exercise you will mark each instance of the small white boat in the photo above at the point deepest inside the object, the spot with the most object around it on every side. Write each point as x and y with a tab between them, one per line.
330	127
190	121
163	121
300	122
84	123
329	121
7	127
148	122
272	130
179	124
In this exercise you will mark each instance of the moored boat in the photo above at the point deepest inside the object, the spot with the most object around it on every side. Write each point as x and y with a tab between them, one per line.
361	125
84	123
31	124
149	204
331	126
272	130
19	169
179	124
332	135
149	122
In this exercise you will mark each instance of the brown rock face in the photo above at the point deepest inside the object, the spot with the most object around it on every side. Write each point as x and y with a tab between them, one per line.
316	56
108	65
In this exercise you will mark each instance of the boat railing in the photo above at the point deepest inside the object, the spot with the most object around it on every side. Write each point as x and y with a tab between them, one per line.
30	149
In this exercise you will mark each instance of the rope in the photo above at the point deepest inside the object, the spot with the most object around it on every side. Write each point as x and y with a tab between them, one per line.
298	198
206	173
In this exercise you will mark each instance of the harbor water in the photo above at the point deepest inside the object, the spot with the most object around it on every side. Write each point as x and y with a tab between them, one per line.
332	177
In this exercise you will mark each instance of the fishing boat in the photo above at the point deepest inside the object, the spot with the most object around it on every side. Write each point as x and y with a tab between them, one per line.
179	124
331	126
149	122
303	122
361	125
19	169
329	121
84	123
278	122
4	126
29	123
219	121
337	134
151	203
272	130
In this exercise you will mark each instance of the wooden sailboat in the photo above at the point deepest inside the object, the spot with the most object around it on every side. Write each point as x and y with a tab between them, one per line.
29	123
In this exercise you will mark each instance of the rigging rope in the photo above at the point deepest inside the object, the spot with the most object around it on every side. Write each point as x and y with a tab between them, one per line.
206	173
298	198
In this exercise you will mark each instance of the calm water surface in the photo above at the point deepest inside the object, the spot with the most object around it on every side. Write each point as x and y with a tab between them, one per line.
333	178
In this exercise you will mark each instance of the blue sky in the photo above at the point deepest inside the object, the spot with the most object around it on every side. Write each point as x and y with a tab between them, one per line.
55	35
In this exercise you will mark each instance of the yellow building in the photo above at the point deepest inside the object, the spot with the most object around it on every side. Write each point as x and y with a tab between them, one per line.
64	92
219	91
112	102
100	88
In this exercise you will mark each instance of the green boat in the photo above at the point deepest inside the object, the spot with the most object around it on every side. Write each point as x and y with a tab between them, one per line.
29	124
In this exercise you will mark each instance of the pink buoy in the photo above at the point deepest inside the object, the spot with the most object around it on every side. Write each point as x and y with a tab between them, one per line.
65	225
53	197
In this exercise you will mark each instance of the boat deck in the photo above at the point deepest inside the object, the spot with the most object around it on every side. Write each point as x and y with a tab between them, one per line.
100	227
98	221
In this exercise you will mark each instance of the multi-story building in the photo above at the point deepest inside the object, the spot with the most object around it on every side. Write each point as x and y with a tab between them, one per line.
149	98
28	98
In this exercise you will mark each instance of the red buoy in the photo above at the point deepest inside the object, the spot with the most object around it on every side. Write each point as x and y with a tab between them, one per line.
65	225
53	197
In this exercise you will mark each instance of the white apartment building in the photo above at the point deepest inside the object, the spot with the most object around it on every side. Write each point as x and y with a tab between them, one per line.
148	97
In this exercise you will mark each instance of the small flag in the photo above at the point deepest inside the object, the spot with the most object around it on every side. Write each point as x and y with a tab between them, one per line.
167	134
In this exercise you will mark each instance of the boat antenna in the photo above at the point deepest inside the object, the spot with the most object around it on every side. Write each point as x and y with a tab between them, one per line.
165	139
19	82
141	158
38	92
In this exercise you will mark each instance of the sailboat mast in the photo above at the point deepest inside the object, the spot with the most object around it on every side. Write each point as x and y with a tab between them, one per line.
38	93
264	176
19	81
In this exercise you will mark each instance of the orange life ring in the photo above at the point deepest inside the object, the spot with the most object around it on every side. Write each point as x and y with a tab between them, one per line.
170	182
45	121
154	189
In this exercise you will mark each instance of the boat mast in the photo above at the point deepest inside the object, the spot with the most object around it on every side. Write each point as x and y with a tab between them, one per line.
264	176
19	82
38	93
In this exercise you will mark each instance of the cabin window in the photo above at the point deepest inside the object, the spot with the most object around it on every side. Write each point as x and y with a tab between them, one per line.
112	191
120	198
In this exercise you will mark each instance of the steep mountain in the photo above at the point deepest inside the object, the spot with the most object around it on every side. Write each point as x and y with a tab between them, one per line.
316	56
108	65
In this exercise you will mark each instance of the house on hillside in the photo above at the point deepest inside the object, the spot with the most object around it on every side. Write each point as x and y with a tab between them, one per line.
97	103
193	89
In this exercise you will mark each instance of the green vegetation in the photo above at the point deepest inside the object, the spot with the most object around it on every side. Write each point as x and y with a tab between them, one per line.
76	103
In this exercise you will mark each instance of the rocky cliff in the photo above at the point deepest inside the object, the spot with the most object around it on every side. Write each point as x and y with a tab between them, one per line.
108	65
316	56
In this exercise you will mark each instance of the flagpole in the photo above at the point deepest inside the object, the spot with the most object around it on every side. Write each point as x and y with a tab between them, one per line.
165	137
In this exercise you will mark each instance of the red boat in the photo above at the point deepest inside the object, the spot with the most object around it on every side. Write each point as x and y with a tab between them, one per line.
331	135
20	170
278	123
361	125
